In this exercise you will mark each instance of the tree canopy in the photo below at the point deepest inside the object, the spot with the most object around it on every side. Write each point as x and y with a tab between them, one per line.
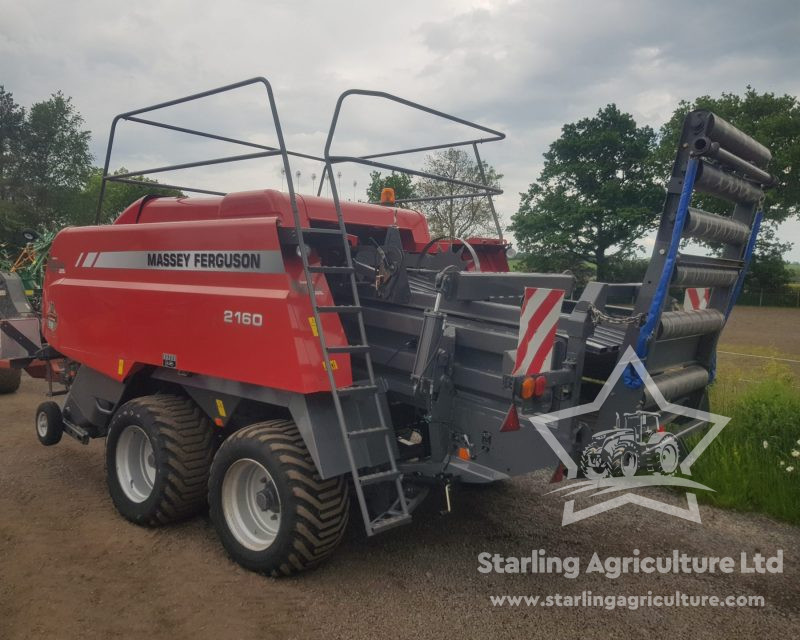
45	160
596	195
459	217
447	215
47	180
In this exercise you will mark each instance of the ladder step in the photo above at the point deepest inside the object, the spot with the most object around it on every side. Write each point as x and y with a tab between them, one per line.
349	348
380	476
377	526
341	308
315	269
361	388
363	433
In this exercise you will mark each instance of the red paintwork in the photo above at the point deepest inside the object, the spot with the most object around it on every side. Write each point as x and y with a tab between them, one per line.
313	211
135	316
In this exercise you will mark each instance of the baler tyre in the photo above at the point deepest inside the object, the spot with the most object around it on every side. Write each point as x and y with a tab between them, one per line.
10	380
49	423
625	460
272	511
158	454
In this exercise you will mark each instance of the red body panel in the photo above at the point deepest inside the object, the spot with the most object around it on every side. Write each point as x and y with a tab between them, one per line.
313	210
163	286
115	319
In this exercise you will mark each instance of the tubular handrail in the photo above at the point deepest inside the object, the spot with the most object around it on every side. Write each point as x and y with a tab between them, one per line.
481	190
477	190
266	151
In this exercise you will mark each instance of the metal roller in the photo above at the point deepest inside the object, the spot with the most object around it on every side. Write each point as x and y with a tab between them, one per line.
714	228
734	140
724	185
676	384
710	149
677	324
703	277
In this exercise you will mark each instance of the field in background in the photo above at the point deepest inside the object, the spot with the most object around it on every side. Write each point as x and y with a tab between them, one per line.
751	463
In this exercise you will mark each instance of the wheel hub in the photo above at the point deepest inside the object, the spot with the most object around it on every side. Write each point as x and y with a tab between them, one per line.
251	504
267	499
135	463
42	424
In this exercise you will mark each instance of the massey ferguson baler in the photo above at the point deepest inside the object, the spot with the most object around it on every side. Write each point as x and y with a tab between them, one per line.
272	354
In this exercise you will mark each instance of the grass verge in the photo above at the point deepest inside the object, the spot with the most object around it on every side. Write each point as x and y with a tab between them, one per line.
754	464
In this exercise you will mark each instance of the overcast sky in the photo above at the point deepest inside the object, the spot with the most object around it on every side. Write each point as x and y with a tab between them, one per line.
524	68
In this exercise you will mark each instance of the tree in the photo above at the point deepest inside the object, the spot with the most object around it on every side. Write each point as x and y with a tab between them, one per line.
46	176
12	119
768	270
596	195
401	183
775	122
459	217
55	161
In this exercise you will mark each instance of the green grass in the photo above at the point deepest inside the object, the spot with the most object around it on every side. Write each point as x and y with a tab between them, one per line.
750	464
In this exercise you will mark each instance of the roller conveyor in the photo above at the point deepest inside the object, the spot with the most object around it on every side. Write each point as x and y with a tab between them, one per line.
678	347
713	228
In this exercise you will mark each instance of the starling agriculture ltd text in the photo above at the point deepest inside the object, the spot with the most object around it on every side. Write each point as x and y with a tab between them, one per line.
614	566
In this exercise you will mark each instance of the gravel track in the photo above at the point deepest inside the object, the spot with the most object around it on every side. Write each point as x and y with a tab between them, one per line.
71	567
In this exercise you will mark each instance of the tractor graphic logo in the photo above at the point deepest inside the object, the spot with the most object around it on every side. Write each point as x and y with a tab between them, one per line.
637	453
638	444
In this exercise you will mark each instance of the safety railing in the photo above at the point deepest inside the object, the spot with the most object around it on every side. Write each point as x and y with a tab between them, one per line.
479	190
264	151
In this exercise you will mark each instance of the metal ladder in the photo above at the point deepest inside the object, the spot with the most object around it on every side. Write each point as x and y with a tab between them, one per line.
398	513
716	159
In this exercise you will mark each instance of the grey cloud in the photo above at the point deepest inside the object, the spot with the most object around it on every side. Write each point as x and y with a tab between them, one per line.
523	67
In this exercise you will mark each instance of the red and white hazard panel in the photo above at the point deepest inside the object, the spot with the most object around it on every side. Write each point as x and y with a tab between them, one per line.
696	298
537	335
537	330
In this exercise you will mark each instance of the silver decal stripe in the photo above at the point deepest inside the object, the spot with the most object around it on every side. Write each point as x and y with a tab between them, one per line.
190	260
78	261
89	258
